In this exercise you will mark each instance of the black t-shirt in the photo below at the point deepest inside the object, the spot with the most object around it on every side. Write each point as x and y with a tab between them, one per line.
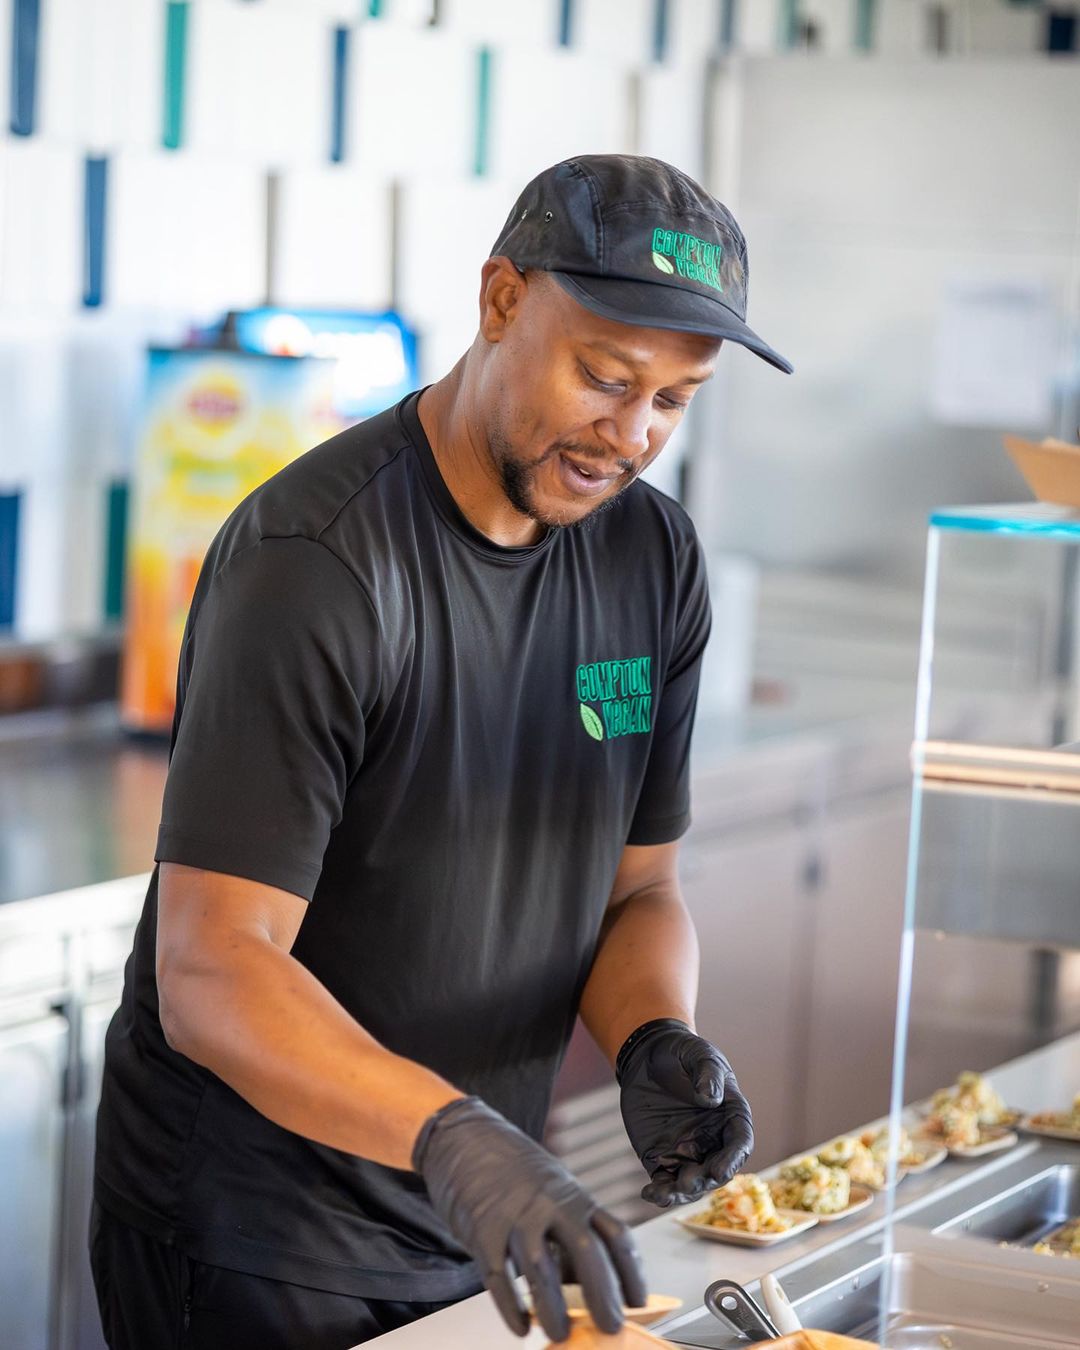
444	745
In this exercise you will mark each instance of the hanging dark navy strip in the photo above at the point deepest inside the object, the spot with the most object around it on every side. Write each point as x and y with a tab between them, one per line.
1061	31
9	553
25	41
337	108
96	184
566	23
660	29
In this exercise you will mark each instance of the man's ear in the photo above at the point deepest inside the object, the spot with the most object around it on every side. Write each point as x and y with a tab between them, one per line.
502	291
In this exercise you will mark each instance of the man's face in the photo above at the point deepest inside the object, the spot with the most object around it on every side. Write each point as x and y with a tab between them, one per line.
575	406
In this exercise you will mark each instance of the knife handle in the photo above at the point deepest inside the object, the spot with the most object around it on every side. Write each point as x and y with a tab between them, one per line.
730	1303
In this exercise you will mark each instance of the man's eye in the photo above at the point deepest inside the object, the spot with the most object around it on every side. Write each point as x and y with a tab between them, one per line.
601	384
671	403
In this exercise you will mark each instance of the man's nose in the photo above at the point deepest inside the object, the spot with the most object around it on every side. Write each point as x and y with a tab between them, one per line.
627	430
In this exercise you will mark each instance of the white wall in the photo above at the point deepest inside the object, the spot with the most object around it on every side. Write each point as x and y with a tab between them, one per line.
864	188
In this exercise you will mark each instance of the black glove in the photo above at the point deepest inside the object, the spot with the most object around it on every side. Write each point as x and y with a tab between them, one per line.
684	1113
511	1204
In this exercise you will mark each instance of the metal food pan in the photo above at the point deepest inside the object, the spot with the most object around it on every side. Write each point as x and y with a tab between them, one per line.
934	1302
1024	1213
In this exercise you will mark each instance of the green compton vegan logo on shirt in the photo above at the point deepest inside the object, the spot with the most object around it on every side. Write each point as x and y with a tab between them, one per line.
693	258
622	690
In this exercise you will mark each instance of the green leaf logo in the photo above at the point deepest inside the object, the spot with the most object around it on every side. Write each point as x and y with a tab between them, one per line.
593	725
660	261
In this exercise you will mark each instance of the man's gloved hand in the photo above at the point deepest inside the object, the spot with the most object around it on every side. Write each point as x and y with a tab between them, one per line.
511	1204
684	1113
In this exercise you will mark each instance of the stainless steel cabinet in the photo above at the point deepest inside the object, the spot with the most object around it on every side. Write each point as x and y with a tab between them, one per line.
749	898
60	973
800	928
32	1058
82	1330
859	917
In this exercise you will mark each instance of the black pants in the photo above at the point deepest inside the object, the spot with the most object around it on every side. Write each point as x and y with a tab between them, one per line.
152	1297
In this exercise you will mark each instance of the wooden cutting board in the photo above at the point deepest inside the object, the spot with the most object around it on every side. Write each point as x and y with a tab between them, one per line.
584	1336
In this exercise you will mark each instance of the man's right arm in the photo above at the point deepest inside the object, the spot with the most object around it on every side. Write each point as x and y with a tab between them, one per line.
234	1000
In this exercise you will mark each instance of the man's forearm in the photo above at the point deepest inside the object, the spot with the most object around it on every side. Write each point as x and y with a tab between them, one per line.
267	1027
646	966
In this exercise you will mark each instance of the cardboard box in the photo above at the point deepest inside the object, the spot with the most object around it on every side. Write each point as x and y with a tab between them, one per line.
1051	468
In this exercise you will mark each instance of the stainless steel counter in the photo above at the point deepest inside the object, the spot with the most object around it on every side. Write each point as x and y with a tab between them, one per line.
931	1208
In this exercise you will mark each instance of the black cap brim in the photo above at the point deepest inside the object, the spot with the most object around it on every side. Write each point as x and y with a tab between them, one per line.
648	304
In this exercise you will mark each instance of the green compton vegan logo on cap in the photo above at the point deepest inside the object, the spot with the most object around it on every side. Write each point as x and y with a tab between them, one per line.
693	258
623	691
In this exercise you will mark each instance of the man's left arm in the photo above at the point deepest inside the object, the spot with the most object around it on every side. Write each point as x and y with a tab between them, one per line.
684	1112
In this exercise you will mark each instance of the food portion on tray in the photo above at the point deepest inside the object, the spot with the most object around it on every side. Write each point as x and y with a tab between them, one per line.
811	1186
745	1203
1064	1241
858	1159
970	1118
1058	1124
744	1211
865	1157
914	1157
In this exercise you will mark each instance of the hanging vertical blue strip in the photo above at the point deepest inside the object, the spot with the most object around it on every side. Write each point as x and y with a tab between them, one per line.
25	40
484	62
660	29
96	183
727	25
566	23
9	552
341	84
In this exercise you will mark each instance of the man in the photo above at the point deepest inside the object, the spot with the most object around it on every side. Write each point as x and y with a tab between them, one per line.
428	772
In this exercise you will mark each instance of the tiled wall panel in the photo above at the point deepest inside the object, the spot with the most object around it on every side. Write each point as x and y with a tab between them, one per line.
41	238
100	73
548	107
392	129
185	232
332	239
447	228
259	83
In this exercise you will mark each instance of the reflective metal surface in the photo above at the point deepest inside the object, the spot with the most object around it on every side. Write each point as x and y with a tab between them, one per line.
963	1278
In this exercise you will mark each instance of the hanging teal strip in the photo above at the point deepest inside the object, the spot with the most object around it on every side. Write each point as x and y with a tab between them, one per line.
864	24
375	9
176	31
25	41
341	84
96	180
789	24
485	60
116	507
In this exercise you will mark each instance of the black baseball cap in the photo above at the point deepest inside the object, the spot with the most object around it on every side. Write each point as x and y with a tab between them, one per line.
636	240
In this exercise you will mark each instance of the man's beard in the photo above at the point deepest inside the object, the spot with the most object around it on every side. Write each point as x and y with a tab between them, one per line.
518	482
